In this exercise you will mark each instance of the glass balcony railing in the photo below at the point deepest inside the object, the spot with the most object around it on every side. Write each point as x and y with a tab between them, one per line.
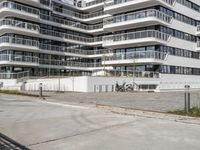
76	14
19	24
19	7
71	23
73	50
116	2
70	36
91	3
39	61
137	35
19	58
19	41
36	44
130	73
138	15
17	75
137	55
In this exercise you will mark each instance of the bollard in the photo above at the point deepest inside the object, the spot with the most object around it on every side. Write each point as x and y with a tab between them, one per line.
187	98
40	89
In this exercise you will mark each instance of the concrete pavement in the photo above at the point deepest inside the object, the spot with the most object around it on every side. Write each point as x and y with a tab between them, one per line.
62	126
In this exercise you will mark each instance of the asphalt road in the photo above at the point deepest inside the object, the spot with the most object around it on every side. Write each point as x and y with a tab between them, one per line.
41	125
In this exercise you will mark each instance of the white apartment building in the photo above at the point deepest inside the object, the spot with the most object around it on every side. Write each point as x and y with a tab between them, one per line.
152	43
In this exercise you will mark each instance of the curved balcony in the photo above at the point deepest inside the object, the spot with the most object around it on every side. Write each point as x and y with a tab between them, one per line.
7	42
139	38
148	17
17	10
136	57
9	59
18	27
36	3
98	28
61	50
119	6
93	17
70	38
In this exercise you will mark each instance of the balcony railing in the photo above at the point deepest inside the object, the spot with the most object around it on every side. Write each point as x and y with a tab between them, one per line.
116	2
19	7
138	15
17	75
19	41
129	73
70	23
19	58
94	2
76	14
36	44
137	35
68	63
137	55
70	36
35	60
72	50
20	24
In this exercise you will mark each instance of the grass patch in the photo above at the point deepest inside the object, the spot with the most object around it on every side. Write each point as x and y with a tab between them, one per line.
15	92
194	112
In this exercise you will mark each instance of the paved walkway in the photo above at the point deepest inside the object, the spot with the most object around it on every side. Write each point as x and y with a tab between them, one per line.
162	102
41	125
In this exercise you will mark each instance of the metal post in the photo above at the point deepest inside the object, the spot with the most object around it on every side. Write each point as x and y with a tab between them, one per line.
40	89
187	98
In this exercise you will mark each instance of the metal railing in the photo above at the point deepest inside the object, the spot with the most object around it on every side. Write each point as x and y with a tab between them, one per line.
71	23
17	75
116	2
19	24
76	14
70	36
19	58
68	63
72	50
36	44
19	7
94	2
138	15
128	73
137	35
137	55
19	41
36	60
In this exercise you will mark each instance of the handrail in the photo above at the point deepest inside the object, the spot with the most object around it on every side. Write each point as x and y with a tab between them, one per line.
137	55
36	60
19	58
116	2
137	35
19	7
19	41
137	15
34	43
17	75
19	24
71	23
76	14
70	36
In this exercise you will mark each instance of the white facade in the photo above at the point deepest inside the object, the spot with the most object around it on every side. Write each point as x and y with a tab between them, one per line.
146	42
